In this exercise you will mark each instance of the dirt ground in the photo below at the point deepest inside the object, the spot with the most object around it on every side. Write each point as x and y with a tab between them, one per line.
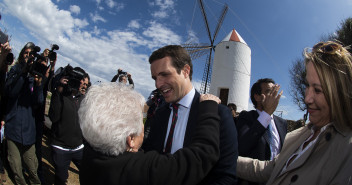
48	168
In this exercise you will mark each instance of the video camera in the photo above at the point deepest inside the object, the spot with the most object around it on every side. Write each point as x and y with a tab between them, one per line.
74	78
3	39
52	54
121	72
34	64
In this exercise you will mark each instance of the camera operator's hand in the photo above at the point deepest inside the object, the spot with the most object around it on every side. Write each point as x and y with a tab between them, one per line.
64	80
38	80
52	63
5	50
2	123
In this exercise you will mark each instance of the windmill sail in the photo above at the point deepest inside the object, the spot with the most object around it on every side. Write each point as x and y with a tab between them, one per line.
198	50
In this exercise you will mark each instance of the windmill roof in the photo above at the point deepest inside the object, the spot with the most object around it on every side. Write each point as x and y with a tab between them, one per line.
234	36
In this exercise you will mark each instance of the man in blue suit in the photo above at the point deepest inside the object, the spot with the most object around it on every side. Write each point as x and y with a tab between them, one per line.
171	129
260	133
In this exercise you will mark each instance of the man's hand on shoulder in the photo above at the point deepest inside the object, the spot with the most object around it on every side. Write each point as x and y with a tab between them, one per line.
204	97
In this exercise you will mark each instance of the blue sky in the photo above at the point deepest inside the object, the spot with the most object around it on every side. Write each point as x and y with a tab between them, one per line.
104	35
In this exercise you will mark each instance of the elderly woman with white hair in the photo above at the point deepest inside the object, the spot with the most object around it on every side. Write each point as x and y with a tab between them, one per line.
112	124
321	152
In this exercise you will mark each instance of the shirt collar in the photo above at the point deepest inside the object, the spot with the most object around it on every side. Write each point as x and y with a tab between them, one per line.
259	112
186	101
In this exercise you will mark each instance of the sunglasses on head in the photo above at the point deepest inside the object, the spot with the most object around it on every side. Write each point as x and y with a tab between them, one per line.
331	48
328	48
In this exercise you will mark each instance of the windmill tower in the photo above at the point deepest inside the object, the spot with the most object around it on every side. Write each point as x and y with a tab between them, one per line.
232	71
197	50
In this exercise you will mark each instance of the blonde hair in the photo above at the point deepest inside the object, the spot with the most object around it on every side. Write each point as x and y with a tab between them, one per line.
334	69
108	114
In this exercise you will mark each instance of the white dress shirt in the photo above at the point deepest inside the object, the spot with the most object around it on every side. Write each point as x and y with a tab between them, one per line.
181	124
265	119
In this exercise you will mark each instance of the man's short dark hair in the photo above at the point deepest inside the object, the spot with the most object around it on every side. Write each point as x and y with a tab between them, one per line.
232	106
85	75
257	88
179	57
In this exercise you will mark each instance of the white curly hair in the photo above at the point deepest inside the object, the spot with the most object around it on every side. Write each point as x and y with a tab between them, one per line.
108	114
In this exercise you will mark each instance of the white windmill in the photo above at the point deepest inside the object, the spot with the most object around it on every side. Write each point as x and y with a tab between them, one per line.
231	73
228	74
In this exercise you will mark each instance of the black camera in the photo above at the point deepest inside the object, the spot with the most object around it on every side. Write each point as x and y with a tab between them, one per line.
9	59
73	76
3	39
52	54
34	63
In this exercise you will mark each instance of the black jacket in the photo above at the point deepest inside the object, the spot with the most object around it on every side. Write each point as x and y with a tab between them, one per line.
186	166
224	172
63	113
24	97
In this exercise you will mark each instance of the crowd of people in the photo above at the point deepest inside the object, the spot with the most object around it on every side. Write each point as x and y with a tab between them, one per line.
187	137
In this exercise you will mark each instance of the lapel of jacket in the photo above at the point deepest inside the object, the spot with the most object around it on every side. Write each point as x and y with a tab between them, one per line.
281	129
160	126
192	120
291	145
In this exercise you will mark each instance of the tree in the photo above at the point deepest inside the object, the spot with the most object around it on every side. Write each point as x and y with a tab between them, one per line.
343	34
298	74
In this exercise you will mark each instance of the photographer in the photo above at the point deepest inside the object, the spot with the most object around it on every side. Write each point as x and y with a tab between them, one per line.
123	77
67	141
40	113
5	49
25	92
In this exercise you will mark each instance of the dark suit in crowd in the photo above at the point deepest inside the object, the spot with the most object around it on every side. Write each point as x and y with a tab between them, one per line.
224	171
253	138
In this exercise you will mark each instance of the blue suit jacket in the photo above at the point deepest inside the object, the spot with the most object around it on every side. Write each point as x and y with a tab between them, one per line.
224	172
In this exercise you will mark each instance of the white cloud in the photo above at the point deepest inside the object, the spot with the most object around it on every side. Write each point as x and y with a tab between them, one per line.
120	6
44	19
160	14
100	52
197	84
192	37
165	8
80	23
111	3
134	24
98	1
96	30
165	4
161	35
75	9
96	17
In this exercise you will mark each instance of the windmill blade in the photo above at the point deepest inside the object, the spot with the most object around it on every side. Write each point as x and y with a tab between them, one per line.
221	19
207	74
201	5
196	50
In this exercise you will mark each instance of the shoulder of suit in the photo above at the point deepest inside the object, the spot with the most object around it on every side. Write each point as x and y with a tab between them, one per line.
280	118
